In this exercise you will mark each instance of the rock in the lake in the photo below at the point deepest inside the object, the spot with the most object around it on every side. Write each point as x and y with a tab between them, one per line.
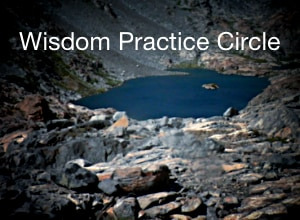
126	209
210	86
230	112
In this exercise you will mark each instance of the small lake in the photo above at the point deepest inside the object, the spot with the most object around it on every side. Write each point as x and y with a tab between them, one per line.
179	96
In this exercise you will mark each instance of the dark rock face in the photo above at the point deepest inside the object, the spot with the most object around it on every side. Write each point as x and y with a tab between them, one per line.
276	111
35	108
230	112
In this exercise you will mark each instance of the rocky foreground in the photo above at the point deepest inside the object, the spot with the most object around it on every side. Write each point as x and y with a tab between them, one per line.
61	161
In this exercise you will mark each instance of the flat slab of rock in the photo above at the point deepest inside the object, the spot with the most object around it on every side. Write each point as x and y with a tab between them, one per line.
233	167
162	209
150	199
191	205
269	212
251	177
136	180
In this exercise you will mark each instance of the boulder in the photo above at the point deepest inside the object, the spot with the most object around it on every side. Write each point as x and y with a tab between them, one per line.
76	177
134	179
230	112
108	186
191	205
126	209
118	115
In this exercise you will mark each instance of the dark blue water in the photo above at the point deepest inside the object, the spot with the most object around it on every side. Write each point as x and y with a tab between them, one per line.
179	96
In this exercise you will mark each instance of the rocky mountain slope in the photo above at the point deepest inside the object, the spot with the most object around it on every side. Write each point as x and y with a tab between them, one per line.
61	161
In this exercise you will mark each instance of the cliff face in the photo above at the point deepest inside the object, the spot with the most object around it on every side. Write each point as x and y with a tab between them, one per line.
63	161
160	18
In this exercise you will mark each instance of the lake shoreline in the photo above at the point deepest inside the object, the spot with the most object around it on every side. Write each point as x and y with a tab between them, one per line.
181	92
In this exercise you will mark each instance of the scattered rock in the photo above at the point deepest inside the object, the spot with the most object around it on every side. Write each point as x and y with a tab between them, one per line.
233	167
191	205
212	145
233	217
162	210
118	128
119	115
126	209
255	202
251	177
99	117
180	217
164	121
108	186
59	123
136	180
155	198
230	201
271	212
18	136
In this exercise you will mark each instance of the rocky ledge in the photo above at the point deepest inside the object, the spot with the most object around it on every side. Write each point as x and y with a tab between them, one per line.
63	161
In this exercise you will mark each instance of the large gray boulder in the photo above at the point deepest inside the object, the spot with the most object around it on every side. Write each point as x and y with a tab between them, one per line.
76	177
